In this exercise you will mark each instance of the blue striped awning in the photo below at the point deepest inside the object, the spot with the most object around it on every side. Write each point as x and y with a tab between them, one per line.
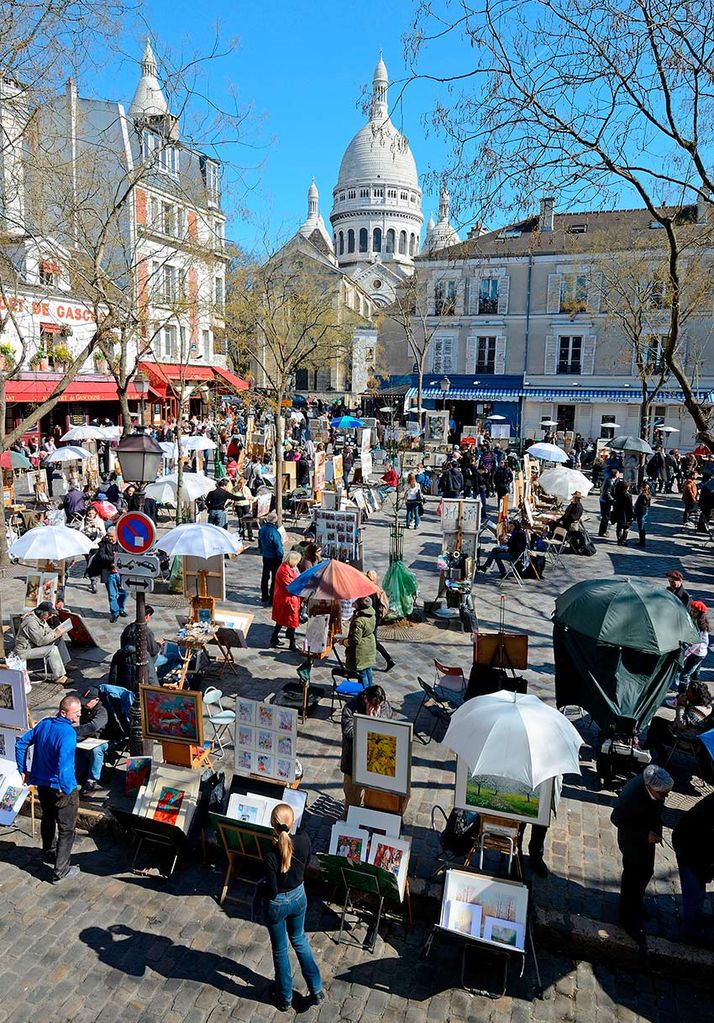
467	393
631	396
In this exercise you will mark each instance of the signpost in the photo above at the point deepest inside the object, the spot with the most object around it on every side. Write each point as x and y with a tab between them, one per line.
145	565
136	532
138	584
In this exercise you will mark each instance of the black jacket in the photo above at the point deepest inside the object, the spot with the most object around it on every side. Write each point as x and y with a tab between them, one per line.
129	638
636	813
122	670
452	482
92	722
693	838
103	561
572	514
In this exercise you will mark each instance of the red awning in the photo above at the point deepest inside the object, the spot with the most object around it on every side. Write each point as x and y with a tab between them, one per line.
50	328
83	388
225	375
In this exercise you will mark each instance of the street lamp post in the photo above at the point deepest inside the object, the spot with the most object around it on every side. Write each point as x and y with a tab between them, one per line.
140	459
141	386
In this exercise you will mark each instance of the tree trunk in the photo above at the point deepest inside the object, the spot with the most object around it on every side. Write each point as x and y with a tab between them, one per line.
420	389
699	413
179	458
279	455
124	405
4	556
645	406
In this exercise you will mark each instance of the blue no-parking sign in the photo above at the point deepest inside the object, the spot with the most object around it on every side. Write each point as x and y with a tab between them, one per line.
136	532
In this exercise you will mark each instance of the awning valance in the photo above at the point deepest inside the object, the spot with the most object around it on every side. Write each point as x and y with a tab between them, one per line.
467	394
35	389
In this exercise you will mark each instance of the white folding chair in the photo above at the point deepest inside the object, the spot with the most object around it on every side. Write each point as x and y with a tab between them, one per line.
554	546
514	568
221	720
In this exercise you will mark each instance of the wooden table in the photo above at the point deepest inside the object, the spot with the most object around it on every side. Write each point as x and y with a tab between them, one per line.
190	644
231	632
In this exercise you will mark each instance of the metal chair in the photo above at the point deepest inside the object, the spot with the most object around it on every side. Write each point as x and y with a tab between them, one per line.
554	546
449	681
442	707
515	567
221	721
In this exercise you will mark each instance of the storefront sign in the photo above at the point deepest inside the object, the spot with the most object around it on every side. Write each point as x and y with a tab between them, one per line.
53	310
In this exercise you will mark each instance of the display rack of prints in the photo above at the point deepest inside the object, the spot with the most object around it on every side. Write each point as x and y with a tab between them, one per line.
339	533
265	740
382	754
349	842
13	699
502	797
170	796
251	808
13	792
485	909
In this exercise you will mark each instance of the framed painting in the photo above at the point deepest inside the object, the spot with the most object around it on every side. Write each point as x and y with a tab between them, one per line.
350	842
13	699
382	754
464	918
391	854
504	932
138	770
171	796
12	793
502	797
7	744
171	715
375	821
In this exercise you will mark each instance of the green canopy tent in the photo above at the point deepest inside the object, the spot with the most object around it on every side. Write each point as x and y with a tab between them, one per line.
617	646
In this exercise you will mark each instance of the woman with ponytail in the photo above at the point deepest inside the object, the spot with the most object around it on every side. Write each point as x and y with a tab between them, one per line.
286	907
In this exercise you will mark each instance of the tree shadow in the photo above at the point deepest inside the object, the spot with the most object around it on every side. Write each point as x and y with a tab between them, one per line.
133	952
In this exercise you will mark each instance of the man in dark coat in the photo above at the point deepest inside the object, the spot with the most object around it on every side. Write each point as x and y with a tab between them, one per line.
676	587
607	498
637	815
693	842
451	481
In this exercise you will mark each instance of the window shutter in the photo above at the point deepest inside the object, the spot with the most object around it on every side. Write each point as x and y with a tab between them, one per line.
499	363
431	295
448	352
504	287
437	355
475	287
587	361
467	297
555	282
470	366
551	354
594	293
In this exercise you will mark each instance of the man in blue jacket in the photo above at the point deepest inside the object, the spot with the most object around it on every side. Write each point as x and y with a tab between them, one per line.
270	545
54	742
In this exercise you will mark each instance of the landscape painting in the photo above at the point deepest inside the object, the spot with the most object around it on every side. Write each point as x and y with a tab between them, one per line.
502	797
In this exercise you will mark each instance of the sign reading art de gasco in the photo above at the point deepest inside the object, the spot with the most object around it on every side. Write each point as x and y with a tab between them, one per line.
67	311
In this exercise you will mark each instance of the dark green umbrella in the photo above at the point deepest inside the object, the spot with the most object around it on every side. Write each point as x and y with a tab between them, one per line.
633	444
629	613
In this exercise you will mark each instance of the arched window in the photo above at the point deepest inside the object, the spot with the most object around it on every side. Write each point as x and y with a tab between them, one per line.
403	242
412	243
390	240
342	243
363	239
377	239
350	240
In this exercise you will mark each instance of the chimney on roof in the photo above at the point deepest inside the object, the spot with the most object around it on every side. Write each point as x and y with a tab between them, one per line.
477	230
547	209
704	203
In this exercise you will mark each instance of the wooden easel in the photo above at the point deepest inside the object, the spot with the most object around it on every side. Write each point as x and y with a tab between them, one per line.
181	754
389	802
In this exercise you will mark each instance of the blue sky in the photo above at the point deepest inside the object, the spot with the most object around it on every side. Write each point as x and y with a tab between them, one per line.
301	68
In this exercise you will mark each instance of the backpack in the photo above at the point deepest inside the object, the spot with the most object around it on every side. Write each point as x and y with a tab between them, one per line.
580	544
459	832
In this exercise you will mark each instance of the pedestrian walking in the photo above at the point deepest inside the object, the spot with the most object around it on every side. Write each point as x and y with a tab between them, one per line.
286	606
380	603
286	906
270	545
695	653
637	815
414	500
54	743
106	555
361	644
642	512
607	499
689	497
622	511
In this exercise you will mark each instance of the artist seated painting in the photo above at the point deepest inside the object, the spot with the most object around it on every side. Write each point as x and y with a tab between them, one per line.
92	724
36	638
513	549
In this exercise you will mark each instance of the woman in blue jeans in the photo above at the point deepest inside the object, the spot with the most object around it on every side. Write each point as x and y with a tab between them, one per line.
286	908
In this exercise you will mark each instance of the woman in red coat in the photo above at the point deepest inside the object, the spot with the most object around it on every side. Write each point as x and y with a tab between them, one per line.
286	607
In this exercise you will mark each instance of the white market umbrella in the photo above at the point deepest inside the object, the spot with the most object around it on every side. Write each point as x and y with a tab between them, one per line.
51	543
561	482
170	450
548	422
193	486
497	419
548	452
198	443
112	432
84	433
198	540
667	429
71	453
514	735
610	426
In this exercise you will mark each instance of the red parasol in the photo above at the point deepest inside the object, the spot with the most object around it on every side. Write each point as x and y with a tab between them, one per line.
332	580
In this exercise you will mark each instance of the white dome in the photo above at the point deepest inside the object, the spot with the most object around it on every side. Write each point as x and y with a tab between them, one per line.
148	99
378	152
440	235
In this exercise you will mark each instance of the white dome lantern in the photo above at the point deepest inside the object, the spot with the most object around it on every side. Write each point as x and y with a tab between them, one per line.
376	214
440	235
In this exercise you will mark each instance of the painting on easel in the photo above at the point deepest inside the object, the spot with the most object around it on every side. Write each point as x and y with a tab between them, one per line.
171	715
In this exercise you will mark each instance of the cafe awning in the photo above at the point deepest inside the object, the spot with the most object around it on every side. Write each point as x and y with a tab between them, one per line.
86	387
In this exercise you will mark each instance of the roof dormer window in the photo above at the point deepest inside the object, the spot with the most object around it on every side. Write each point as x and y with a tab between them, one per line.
48	273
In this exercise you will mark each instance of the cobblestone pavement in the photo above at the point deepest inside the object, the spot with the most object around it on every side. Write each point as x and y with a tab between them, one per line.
173	954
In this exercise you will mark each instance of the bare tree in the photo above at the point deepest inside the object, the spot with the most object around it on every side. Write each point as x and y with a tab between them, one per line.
285	315
587	99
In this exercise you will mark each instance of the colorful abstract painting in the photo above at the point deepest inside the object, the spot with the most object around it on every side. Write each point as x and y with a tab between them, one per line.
169	805
172	715
137	774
